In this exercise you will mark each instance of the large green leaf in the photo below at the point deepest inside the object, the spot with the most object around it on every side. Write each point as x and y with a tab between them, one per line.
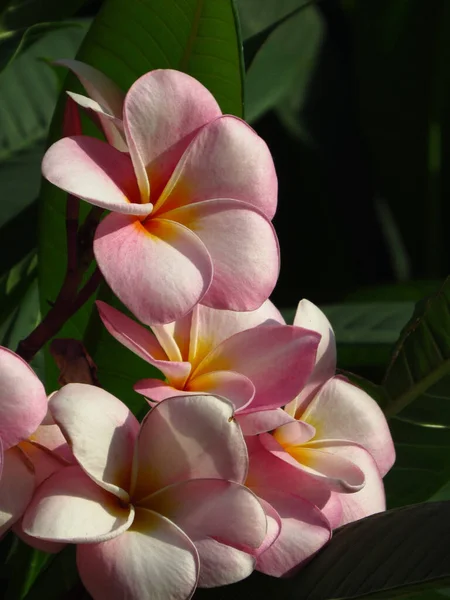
24	13
417	393
389	555
127	40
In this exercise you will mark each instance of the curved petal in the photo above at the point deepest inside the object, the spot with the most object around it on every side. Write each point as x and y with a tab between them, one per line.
294	433
244	278
103	91
223	510
368	501
304	531
42	545
153	560
236	388
213	326
221	564
101	432
44	462
23	401
270	472
16	487
262	420
111	125
96	172
188	437
340	410
51	438
70	507
157	390
162	112
159	270
142	342
310	316
226	159
276	358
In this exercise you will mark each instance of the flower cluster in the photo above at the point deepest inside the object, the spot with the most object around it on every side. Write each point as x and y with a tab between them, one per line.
253	450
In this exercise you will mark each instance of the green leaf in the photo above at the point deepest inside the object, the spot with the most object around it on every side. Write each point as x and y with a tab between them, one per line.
389	555
285	59
417	391
23	567
128	39
58	578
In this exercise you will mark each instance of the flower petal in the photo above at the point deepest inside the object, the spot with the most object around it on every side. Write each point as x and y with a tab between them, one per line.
44	462
101	432
243	279
153	560
162	112
213	508
304	531
70	507
371	499
340	410
213	326
262	420
103	91
188	437
23	401
273	473
236	388
276	358
221	564
16	487
96	172
142	342
311	317
157	390
50	437
294	433
159	270
43	545
226	159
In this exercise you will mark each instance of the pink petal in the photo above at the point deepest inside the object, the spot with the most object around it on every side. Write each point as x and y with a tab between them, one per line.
50	438
276	358
243	279
175	337
304	531
43	545
101	432
272	473
70	507
213	508
188	437
221	564
142	342
153	560
321	462
310	316
294	433
103	91
262	420
159	270
213	326
44	462
163	110
371	499
157	390
341	410
236	388
226	159
111	125
96	172
23	401
16	487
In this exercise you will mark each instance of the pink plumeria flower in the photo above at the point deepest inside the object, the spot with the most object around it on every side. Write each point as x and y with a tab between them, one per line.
249	358
194	185
154	509
338	436
23	406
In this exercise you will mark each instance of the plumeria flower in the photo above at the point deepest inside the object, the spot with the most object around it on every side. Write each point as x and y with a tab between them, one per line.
193	185
154	509
338	436
25	460
250	358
